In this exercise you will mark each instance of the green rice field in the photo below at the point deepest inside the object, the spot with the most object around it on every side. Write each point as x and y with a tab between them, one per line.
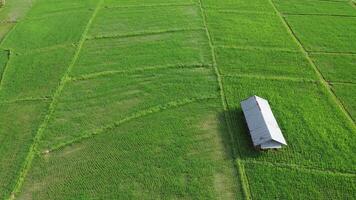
140	99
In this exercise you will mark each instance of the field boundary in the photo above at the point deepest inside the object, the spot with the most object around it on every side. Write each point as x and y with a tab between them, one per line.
302	168
152	5
238	166
5	67
317	14
26	100
33	148
276	78
316	69
144	33
134	116
114	72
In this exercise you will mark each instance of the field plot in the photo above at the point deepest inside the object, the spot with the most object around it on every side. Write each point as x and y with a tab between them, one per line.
315	7
42	69
288	183
325	33
140	99
175	154
336	67
347	92
19	123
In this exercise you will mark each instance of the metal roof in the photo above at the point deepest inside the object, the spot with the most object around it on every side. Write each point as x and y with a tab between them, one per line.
262	124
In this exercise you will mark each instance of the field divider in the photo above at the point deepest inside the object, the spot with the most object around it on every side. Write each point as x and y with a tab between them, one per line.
33	148
238	167
134	116
239	11
261	48
277	78
9	53
113	72
144	33
353	3
321	78
332	53
26	100
302	167
46	49
341	83
153	5
317	14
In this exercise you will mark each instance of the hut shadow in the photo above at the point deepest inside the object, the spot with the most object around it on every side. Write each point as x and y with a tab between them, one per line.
238	137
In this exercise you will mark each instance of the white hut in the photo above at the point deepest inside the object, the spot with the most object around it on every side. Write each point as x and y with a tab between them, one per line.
264	129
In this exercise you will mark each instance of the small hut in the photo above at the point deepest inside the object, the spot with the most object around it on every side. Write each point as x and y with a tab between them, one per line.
263	127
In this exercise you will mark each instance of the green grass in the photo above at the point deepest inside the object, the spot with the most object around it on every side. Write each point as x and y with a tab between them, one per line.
143	51
91	104
129	3
315	7
258	6
347	95
15	10
325	33
128	21
262	62
108	99
4	29
19	123
178	153
313	126
34	75
45	8
336	67
248	30
48	31
4	57
271	182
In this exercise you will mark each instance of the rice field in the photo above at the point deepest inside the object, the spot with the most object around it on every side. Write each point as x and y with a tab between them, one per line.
140	99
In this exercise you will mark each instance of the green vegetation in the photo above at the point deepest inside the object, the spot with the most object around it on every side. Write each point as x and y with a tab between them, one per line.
129	21
249	29
34	75
263	62
308	118
172	154
336	67
137	99
19	123
270	182
347	94
316	7
185	48
4	57
325	33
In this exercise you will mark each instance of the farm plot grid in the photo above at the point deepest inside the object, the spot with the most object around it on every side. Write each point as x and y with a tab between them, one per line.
137	99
